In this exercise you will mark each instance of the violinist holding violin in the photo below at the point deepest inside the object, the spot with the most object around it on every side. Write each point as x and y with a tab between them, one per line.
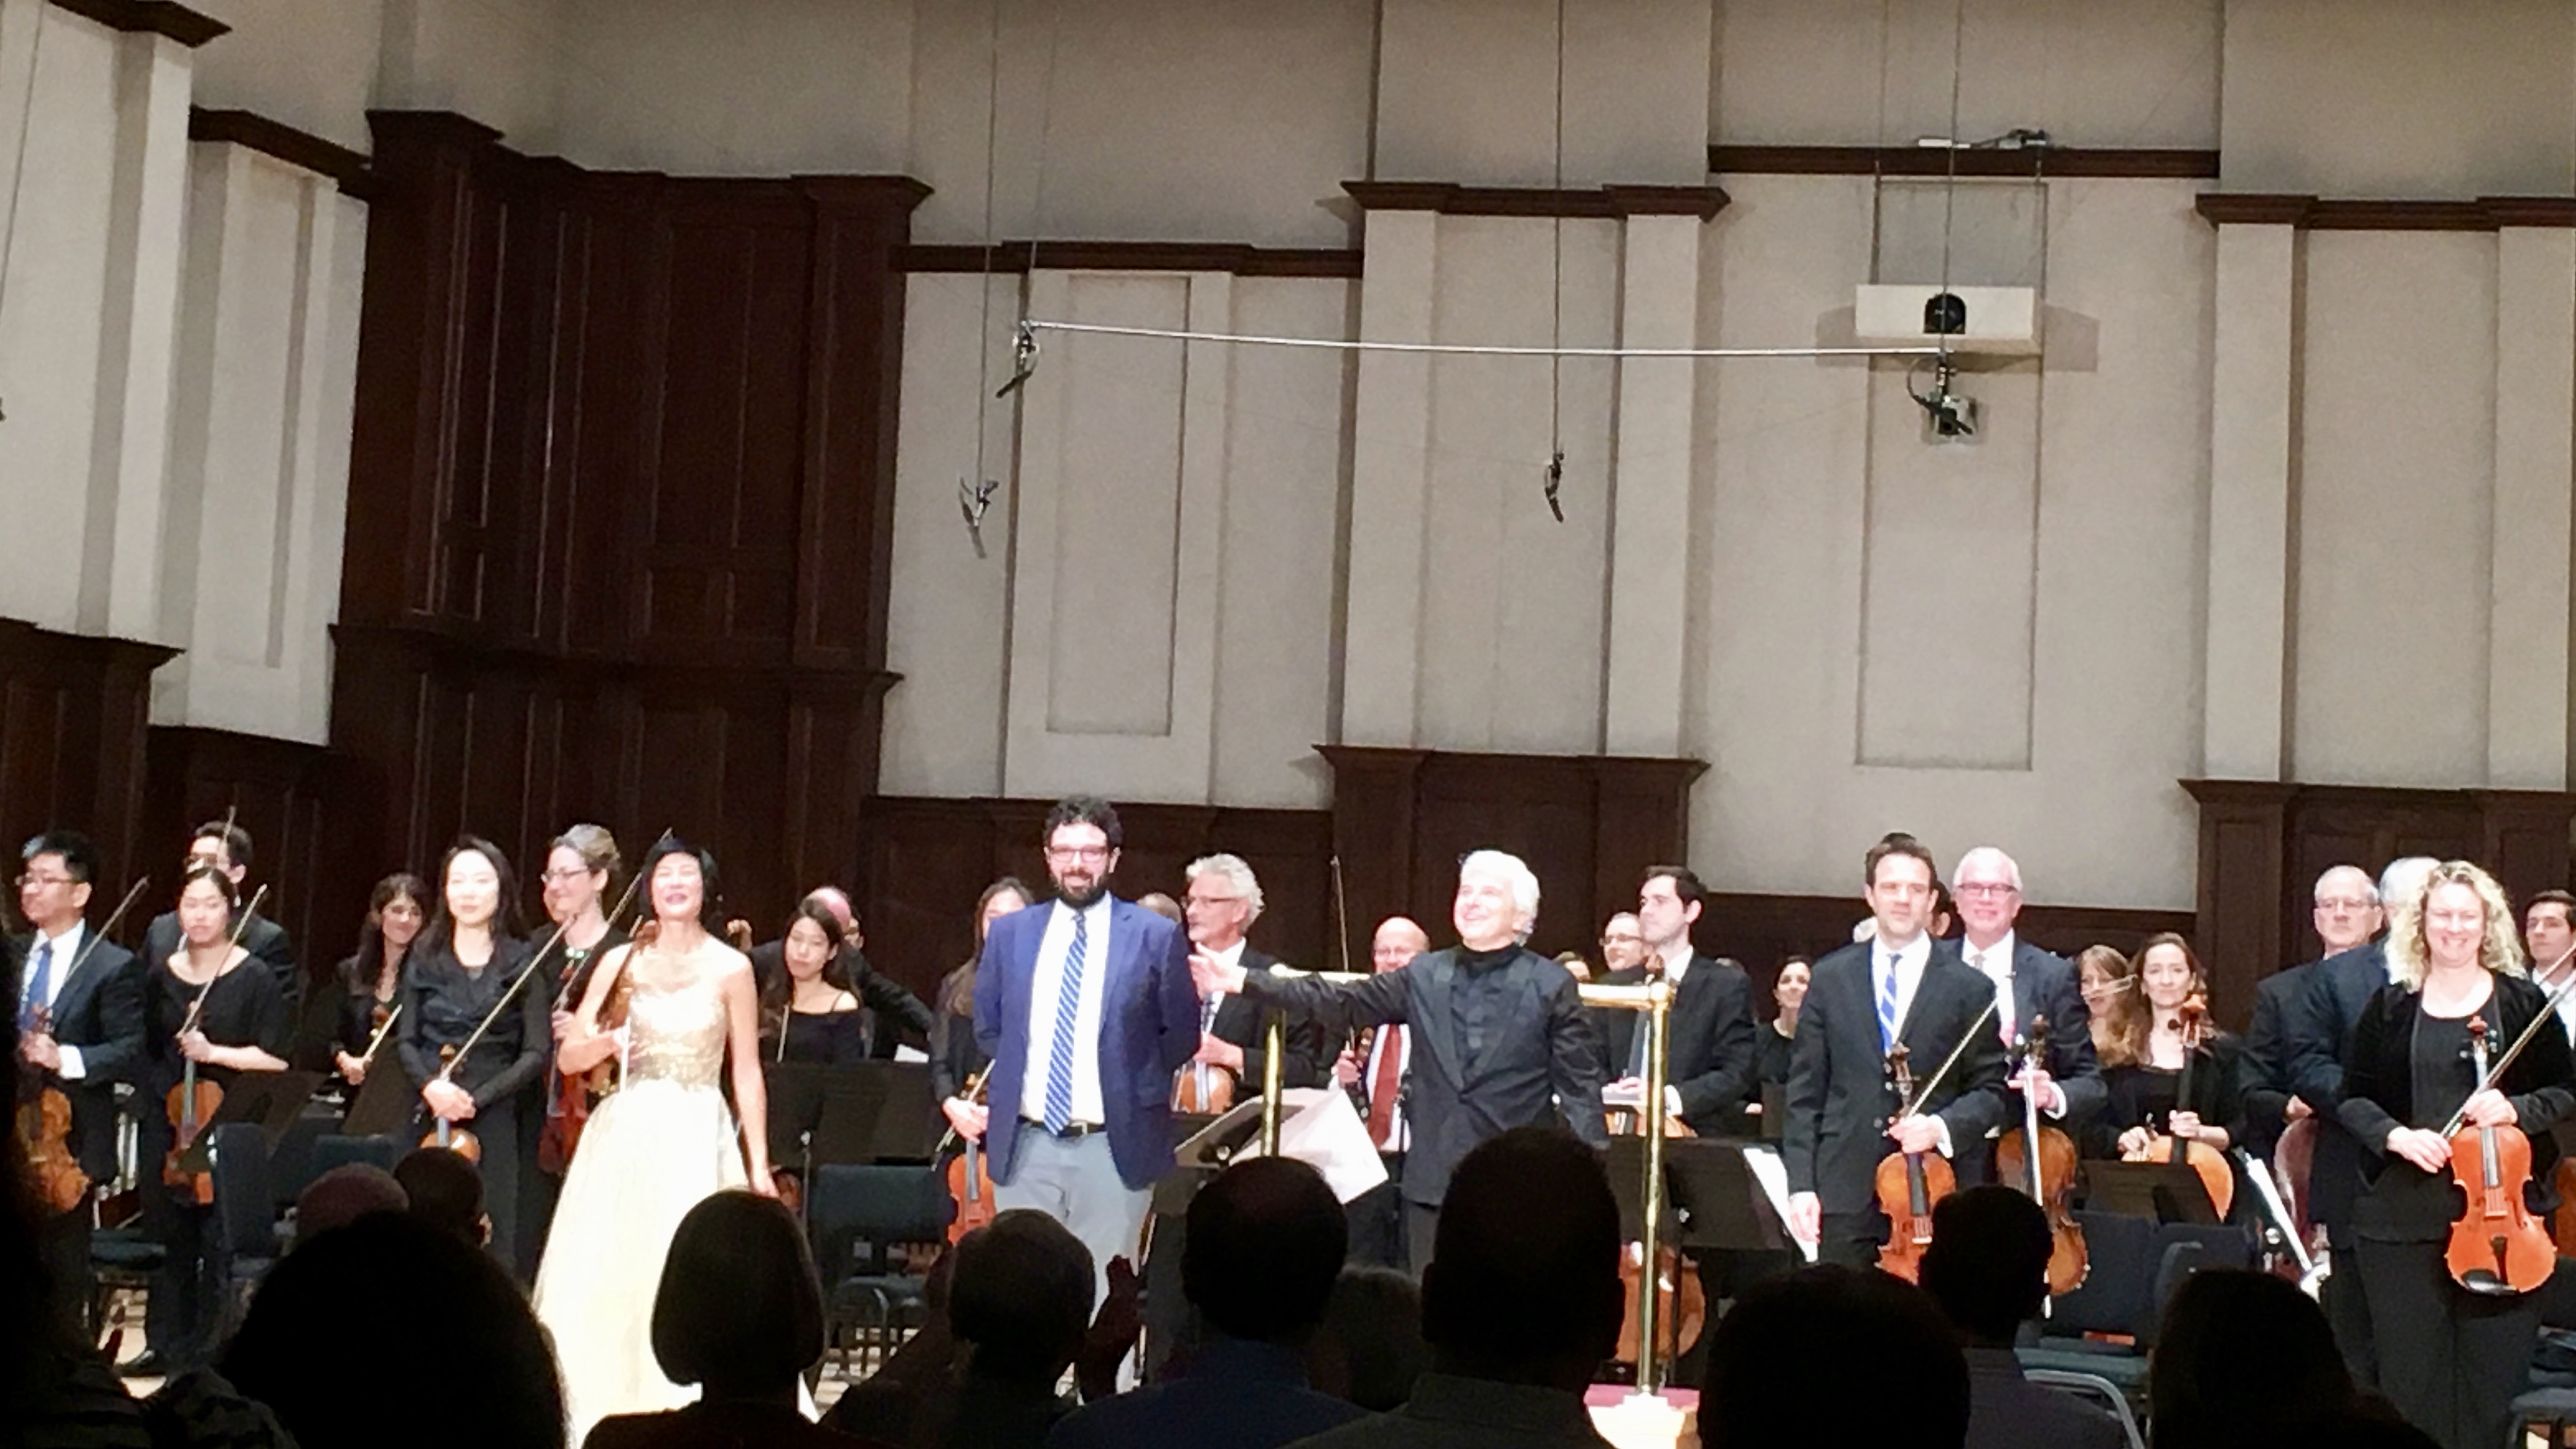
1900	988
371	978
80	1032
2450	1359
217	1009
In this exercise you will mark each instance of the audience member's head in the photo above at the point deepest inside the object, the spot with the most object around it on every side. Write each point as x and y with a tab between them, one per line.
1852	1348
1162	905
1266	1240
1523	1284
388	1289
2243	1358
1987	1268
1369	1348
446	1193
739	1309
345	1194
1021	1296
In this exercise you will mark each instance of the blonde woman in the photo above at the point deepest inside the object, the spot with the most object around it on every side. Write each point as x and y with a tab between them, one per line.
2450	1360
2108	981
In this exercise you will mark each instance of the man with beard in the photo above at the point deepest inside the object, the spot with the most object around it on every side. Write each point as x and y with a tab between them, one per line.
1086	1007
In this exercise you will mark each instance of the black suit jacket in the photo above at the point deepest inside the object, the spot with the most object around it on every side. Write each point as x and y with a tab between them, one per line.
2263	1068
99	1010
2045	986
1541	1065
1835	1128
264	939
886	998
1238	1021
1712	1057
2335	993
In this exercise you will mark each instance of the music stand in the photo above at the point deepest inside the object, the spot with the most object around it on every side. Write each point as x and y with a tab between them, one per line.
2166	1192
386	1099
272	1100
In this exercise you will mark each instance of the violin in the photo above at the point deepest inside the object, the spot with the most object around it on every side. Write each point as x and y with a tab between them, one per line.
446	1135
2048	1175
572	1096
2205	1161
1909	1183
45	1128
970	1185
1681	1304
1203	1089
2497	1247
194	1101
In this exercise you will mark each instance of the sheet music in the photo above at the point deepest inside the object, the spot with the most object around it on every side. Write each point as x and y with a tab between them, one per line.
1324	1131
1773	1175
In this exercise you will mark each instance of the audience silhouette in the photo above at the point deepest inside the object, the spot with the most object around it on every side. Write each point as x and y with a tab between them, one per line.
446	1192
1369	1348
2245	1359
1834	1354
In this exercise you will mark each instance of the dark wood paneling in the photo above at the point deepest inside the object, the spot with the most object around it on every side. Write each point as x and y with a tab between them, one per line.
928	859
346	168
1930	161
150	17
621	499
2487	213
292	799
1013	258
73	719
1451	199
1587	825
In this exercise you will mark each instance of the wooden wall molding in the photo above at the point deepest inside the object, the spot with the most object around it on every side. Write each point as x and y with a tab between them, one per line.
1451	199
1013	258
2487	213
2264	843
347	169
2032	161
74	716
149	17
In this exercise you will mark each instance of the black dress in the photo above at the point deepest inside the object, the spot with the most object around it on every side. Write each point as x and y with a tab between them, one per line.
955	1057
358	1007
826	1038
243	1007
443	1002
2450	1360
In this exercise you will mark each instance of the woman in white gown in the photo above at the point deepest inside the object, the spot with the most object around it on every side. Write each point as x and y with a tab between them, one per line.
659	1145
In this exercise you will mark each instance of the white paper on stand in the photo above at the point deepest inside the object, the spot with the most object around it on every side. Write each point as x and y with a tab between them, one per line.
1773	1175
1324	1131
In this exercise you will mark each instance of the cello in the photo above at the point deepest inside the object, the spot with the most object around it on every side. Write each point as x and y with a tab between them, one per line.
2497	1247
970	1185
2205	1161
2048	1175
1910	1184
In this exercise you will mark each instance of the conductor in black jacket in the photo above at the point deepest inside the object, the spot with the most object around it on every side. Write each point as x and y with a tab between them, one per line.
2029	984
1709	1064
227	848
1501	1039
80	1022
1901	986
886	999
2319	1038
1222	902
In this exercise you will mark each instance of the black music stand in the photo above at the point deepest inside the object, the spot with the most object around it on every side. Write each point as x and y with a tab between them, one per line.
2164	1192
1712	1201
386	1099
272	1100
866	1112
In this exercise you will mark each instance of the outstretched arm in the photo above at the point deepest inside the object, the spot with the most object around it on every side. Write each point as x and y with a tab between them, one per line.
750	1089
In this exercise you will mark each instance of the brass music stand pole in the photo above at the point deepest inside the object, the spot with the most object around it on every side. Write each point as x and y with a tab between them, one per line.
1650	1365
1274	1031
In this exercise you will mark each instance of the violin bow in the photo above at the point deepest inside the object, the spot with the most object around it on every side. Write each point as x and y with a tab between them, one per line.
378	1039
1925	1087
563	992
448	1072
241	928
81	957
2548	1014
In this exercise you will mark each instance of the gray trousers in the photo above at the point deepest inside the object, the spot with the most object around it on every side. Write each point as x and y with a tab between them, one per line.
1076	1183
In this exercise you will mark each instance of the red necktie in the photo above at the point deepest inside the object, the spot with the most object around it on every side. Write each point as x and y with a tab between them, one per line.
1382	1086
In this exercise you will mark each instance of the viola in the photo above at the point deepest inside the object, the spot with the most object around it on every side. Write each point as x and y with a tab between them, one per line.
2048	1175
1681	1304
1203	1089
970	1185
2497	1247
2205	1161
1909	1184
446	1135
191	1105
44	1128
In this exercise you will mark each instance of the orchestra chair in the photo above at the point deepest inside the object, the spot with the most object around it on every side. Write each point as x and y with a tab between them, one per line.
247	1237
857	1216
2096	1390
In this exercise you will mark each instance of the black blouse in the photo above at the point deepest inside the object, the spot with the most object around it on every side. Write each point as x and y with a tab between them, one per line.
2140	1095
2406	1068
568	970
244	1007
830	1038
443	1002
954	1055
357	1024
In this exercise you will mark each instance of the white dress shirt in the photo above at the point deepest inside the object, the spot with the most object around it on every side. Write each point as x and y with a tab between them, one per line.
1677	959
66	950
1208	1005
1997	962
1046	990
2566	1004
1911	958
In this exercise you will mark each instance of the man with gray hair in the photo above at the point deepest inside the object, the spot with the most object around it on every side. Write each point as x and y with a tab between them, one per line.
2029	985
2317	1035
1503	1037
2346	913
1222	902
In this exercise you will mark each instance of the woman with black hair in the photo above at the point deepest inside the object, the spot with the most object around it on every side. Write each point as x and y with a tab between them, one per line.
468	958
954	1055
811	1000
370	981
674	1005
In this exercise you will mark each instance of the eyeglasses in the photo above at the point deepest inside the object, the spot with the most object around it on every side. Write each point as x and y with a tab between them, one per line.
1209	900
33	881
1094	854
1988	889
2342	903
563	877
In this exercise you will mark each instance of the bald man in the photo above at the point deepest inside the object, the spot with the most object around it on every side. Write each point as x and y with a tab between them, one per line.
1377	1087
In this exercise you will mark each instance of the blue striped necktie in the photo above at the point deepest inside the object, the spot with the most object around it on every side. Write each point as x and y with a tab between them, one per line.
40	986
1887	1022
1068	1006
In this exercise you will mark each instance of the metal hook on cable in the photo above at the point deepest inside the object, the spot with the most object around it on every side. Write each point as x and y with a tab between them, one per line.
1556	481
974	501
1024	359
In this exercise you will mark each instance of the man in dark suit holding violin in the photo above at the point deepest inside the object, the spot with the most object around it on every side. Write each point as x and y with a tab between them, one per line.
2029	984
80	1026
1902	986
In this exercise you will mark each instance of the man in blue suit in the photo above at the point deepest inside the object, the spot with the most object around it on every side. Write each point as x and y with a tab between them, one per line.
1087	1008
